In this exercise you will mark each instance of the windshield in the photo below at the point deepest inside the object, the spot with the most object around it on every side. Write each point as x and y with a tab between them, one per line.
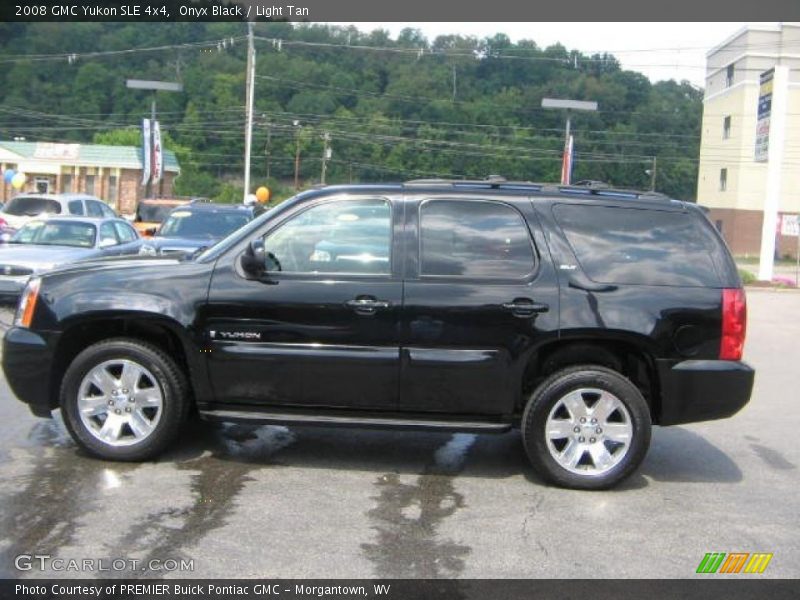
202	224
56	233
153	213
27	206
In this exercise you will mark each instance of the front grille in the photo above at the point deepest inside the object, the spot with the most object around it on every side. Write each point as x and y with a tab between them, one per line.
13	271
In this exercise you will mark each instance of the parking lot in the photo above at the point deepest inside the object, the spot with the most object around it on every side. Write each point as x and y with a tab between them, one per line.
324	502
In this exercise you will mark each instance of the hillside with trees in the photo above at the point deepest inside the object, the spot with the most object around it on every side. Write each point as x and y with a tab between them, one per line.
393	109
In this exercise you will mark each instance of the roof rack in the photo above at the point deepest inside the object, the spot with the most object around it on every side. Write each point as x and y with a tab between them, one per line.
585	187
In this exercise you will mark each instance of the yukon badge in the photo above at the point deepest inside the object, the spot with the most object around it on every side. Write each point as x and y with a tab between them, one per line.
235	335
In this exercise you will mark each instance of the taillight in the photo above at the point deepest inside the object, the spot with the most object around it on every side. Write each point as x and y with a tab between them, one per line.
734	324
3	223
27	303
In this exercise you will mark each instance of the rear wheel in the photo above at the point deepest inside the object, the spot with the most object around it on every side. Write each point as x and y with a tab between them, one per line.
124	399
586	427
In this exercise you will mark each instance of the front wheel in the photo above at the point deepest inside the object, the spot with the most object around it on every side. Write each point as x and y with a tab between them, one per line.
123	399
586	427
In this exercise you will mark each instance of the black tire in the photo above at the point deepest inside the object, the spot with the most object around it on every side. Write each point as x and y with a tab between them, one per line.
543	400
170	379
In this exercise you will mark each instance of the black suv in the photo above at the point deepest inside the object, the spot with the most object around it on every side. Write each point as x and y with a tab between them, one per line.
582	315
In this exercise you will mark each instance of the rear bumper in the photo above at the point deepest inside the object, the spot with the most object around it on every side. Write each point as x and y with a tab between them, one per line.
703	390
27	364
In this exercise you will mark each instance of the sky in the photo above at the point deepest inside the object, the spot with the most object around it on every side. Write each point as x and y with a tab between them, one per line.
658	50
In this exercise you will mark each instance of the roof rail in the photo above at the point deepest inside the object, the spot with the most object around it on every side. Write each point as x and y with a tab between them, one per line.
586	187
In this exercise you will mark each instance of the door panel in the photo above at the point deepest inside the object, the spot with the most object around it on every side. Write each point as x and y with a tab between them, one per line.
467	337
327	337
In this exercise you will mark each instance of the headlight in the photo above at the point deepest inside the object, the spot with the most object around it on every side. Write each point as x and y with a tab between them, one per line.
147	251
27	303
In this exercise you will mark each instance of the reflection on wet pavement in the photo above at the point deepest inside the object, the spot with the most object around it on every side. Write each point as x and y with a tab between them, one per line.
407	516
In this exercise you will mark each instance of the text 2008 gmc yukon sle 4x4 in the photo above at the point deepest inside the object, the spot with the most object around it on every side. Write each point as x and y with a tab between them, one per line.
581	314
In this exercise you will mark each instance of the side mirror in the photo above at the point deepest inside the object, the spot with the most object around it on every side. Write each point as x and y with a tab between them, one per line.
254	259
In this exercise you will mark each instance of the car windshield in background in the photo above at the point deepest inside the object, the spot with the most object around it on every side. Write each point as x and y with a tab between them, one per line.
55	233
26	206
153	213
213	224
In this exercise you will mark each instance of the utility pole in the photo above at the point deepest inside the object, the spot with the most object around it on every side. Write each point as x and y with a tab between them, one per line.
268	147
454	83
652	172
297	127
326	155
567	105
248	131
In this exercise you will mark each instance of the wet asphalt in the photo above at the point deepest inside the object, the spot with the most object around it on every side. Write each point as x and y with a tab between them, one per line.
247	501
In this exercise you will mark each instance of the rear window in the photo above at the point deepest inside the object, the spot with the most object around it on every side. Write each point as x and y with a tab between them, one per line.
26	206
637	246
202	224
153	213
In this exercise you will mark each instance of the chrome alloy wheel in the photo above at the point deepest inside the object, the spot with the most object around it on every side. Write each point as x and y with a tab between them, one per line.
589	431
120	402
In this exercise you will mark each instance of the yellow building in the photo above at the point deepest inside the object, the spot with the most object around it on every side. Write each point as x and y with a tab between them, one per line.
730	180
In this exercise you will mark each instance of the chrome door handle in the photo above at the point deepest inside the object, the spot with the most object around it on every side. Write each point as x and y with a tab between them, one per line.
524	307
365	305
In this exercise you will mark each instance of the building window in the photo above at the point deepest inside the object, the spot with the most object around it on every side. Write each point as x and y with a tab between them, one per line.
90	184
723	180
112	191
66	184
729	76
42	185
726	128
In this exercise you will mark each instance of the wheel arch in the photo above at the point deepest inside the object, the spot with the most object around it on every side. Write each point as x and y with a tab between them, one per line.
156	329
631	356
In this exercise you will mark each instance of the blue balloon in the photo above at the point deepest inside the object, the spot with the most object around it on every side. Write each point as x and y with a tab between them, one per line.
8	175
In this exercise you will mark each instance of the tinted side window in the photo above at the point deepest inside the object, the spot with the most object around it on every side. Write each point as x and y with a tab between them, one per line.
348	236
107	212
636	246
125	232
94	209
75	207
474	239
107	234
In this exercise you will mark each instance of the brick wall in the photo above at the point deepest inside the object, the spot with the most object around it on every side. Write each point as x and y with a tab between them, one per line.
742	232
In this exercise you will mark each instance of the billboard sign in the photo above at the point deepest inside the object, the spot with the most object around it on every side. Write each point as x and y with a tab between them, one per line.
764	113
145	151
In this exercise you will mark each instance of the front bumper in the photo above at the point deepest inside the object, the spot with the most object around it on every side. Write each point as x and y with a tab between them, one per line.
27	364
703	390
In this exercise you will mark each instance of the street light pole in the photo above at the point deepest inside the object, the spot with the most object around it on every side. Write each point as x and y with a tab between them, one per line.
154	86
568	105
248	132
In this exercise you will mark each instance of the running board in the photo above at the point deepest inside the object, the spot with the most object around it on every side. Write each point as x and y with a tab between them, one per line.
342	418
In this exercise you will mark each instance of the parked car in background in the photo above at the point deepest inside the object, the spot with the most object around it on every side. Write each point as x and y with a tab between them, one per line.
26	207
198	225
46	243
151	212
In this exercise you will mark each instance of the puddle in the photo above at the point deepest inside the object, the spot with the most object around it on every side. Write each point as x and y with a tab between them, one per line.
217	478
407	517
